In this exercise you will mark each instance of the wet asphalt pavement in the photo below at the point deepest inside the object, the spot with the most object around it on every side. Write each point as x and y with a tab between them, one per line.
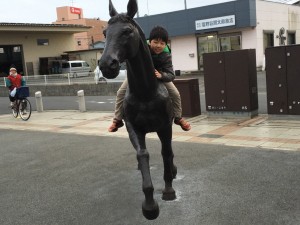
53	178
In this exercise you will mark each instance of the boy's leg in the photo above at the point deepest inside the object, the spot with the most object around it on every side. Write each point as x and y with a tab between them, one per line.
117	121
176	102
175	97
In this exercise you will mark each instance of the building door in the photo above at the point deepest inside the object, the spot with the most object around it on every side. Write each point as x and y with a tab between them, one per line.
217	43
11	55
206	44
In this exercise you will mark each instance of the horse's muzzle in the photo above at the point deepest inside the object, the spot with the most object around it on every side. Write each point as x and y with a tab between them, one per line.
109	68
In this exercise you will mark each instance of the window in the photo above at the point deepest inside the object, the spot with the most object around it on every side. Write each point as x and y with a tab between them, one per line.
43	42
230	43
79	43
76	64
65	65
2	50
268	39
17	49
85	64
291	38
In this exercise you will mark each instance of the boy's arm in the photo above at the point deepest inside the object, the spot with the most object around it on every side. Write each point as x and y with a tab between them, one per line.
167	71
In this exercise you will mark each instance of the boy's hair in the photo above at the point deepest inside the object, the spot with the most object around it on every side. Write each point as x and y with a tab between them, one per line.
159	32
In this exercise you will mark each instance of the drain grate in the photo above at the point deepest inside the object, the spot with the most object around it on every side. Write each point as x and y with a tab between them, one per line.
66	127
211	135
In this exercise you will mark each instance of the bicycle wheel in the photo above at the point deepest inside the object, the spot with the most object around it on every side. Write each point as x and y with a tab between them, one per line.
25	109
15	110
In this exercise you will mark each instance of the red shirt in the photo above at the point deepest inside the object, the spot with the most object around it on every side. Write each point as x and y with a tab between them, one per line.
15	81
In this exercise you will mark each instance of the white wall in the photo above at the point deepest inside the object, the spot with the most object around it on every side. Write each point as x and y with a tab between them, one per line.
274	16
181	48
249	41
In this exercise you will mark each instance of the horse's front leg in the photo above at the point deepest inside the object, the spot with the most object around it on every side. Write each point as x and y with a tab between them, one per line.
150	207
170	169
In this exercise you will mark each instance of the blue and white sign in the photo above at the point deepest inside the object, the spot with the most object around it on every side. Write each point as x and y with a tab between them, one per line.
223	21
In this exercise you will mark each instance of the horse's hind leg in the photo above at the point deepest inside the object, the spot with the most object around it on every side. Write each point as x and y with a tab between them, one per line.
150	207
170	169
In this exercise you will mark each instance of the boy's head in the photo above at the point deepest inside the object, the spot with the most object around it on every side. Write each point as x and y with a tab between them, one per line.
159	32
158	39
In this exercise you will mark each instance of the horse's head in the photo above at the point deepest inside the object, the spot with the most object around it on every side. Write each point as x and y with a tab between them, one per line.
122	39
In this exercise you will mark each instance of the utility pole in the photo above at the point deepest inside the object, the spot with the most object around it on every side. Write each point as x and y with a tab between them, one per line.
147	8
137	13
184	4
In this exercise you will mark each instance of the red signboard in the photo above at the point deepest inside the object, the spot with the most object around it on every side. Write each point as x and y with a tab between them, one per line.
75	10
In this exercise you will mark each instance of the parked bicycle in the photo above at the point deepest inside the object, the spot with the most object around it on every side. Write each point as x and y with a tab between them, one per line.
22	105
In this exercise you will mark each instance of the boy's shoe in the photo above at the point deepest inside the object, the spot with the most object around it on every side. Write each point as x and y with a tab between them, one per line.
184	124
115	125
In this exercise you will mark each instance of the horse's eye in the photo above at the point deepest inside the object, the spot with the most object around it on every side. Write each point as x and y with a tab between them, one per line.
127	31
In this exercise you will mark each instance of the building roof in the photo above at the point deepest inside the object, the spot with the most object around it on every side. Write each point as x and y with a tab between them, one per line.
84	50
289	2
39	27
182	22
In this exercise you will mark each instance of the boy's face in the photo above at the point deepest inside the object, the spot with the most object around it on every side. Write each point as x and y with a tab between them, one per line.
157	45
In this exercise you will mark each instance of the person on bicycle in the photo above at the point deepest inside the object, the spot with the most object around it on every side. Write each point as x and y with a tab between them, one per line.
14	81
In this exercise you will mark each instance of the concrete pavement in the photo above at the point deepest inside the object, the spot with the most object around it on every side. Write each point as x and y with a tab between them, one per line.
261	131
49	178
63	167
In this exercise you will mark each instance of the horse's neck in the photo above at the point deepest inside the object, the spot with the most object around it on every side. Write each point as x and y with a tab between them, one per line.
140	74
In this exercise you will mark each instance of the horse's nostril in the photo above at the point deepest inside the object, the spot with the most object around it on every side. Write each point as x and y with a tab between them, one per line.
114	64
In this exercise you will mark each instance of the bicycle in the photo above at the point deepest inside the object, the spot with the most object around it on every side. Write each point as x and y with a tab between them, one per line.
22	105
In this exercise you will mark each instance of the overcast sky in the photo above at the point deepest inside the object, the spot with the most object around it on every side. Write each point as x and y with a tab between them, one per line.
44	11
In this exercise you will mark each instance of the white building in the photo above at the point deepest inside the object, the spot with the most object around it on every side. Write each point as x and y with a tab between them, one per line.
29	46
240	24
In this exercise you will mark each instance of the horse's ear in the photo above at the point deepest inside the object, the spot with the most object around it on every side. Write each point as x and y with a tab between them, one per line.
132	8
112	10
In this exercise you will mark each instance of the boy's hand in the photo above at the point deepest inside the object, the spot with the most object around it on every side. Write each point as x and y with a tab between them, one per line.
157	74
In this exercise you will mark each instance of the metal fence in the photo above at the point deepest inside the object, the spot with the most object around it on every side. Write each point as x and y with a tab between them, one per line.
63	79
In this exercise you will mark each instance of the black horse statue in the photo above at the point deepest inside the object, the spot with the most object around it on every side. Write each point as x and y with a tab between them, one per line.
147	106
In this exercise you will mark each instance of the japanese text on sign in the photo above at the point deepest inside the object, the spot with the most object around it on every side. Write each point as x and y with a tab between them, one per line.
75	10
215	22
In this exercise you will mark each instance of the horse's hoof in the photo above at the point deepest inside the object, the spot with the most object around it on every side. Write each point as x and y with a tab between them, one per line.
150	212
168	194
